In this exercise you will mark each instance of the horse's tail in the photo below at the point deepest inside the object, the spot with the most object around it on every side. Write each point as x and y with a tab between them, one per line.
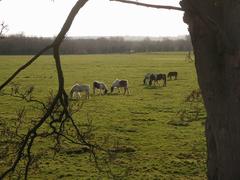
144	80
169	74
88	92
94	83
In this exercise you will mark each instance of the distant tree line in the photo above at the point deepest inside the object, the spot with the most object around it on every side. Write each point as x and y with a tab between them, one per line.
20	44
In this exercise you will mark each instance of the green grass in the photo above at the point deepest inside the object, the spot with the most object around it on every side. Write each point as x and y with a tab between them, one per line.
162	150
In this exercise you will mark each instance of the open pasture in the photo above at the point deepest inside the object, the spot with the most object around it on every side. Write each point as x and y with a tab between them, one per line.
140	120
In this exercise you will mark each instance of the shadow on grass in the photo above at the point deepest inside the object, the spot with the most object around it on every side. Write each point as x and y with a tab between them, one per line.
181	79
118	94
122	149
75	150
153	87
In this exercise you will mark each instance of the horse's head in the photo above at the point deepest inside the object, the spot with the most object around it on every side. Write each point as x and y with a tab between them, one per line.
150	82
105	91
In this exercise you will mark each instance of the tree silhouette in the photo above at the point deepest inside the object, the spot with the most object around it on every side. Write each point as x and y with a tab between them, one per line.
214	30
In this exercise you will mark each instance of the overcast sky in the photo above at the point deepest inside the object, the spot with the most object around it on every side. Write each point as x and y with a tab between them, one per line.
96	18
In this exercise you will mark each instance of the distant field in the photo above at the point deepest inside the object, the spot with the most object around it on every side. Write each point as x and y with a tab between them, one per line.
140	121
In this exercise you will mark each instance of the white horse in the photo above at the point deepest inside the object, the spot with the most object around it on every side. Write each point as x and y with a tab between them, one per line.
120	84
77	88
101	86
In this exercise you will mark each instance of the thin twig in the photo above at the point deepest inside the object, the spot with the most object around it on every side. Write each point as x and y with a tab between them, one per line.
150	5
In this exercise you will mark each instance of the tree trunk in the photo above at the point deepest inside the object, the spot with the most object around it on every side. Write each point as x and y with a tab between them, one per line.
214	30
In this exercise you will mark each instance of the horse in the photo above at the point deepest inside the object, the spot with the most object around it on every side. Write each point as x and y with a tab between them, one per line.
120	84
172	74
146	77
77	88
101	86
158	77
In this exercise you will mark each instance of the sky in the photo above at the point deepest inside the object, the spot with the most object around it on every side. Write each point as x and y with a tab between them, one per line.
44	18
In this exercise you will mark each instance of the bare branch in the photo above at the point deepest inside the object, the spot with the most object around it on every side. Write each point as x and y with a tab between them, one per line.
150	5
30	136
3	29
24	66
27	137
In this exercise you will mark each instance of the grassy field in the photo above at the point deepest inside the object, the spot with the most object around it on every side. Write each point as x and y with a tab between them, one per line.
140	121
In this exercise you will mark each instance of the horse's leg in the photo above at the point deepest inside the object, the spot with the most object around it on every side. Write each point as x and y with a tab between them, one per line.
128	91
119	90
125	89
87	94
100	91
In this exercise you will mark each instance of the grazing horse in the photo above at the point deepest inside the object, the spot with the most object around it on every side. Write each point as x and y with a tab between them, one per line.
157	77
146	77
101	86
120	84
77	88
172	74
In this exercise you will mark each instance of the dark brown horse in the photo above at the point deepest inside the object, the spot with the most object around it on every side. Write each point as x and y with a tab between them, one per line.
172	74
101	86
157	77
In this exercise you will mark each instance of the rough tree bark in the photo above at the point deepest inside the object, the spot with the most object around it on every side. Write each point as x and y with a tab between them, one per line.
214	29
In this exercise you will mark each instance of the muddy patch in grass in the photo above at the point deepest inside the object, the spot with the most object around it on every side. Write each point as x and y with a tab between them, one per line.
75	150
178	123
122	149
